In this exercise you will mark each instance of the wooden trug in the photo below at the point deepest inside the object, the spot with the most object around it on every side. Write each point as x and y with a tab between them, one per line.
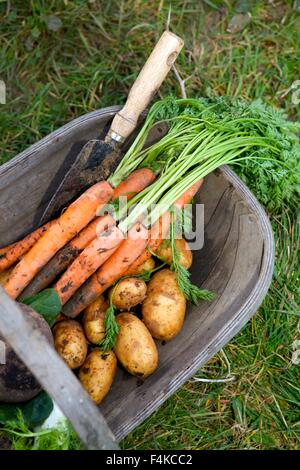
236	263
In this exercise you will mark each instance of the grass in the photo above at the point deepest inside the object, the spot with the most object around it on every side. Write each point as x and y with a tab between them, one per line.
53	77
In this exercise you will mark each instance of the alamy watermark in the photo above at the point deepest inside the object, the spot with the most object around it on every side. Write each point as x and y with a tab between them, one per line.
188	221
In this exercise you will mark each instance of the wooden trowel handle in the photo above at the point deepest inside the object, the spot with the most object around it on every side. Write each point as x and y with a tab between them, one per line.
146	85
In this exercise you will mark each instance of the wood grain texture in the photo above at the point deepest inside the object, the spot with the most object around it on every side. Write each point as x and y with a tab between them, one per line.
236	262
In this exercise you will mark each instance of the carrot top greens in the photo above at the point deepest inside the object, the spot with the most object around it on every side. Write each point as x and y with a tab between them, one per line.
111	326
191	292
205	133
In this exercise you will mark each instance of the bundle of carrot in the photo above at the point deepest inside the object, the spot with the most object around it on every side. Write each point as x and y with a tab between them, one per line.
91	253
77	236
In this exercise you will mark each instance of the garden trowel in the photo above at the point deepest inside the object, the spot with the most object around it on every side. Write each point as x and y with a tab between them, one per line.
99	158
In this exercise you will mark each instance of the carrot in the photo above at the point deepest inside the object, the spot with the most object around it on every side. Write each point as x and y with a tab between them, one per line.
92	257
157	234
4	275
74	219
12	253
160	229
115	267
188	195
67	255
135	183
6	248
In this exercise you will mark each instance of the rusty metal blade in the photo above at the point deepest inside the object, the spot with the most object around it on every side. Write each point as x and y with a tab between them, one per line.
95	162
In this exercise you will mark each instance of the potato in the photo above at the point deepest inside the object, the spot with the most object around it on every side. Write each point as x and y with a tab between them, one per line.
97	373
17	384
164	308
128	293
165	252
70	342
93	320
135	348
147	266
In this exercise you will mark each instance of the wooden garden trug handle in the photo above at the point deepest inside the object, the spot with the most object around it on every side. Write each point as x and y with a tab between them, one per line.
54	375
146	85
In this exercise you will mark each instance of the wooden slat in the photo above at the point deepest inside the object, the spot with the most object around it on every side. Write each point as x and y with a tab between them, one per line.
54	376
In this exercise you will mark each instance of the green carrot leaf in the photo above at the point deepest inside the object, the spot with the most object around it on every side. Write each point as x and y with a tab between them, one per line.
111	327
191	292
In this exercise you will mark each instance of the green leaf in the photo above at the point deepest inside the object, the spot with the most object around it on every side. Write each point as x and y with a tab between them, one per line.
47	303
191	292
8	412
34	412
111	328
35	32
37	410
238	410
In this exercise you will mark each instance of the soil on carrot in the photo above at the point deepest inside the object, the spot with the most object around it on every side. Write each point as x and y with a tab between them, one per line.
56	71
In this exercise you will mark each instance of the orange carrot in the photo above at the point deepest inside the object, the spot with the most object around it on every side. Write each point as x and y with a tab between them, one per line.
188	195
91	258
6	248
12	253
160	229
157	234
67	255
74	219
115	267
4	275
135	183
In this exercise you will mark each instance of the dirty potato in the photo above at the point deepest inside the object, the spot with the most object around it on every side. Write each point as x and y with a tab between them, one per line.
97	373
135	348
164	308
70	342
128	293
147	266
164	252
94	320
